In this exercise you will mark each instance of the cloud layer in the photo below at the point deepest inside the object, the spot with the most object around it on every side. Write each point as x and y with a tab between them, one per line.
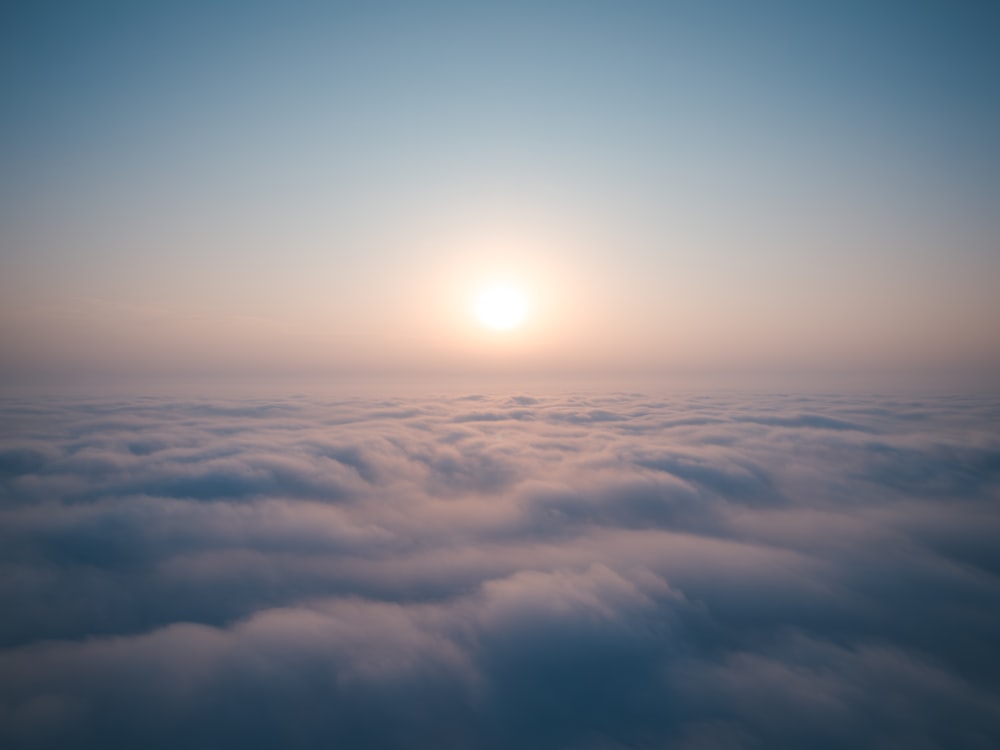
593	571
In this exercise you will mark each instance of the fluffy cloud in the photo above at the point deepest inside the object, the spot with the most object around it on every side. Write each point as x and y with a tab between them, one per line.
599	571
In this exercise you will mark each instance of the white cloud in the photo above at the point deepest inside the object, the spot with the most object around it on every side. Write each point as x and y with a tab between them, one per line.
533	571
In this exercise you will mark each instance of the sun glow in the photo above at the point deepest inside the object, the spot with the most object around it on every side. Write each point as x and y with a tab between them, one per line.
501	308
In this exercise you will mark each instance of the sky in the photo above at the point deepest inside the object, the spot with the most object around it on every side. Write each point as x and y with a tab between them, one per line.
675	189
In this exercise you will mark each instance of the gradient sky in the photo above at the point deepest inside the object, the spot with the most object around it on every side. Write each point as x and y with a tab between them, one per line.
315	188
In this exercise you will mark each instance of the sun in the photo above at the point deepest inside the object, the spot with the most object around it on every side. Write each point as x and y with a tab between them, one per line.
501	308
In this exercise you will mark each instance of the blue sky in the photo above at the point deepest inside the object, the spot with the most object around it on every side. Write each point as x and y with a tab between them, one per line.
685	186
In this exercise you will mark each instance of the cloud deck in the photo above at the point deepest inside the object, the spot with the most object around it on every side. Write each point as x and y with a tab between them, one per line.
590	571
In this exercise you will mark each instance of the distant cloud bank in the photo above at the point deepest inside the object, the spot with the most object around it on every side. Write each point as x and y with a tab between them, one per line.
593	571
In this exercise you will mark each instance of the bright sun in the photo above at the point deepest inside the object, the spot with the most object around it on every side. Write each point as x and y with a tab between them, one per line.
501	308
